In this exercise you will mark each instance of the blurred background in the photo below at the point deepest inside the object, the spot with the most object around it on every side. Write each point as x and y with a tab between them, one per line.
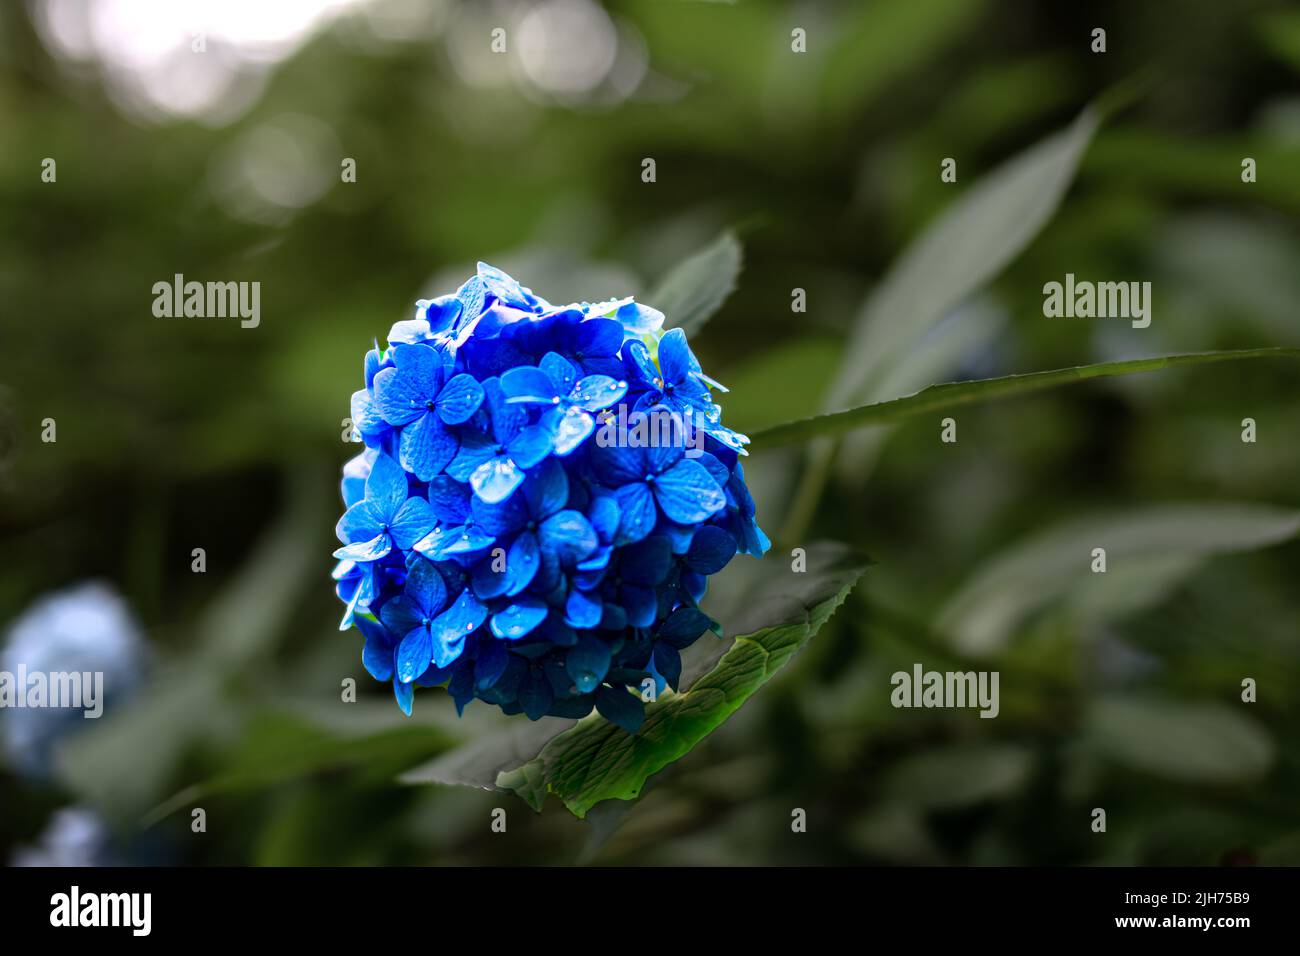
210	139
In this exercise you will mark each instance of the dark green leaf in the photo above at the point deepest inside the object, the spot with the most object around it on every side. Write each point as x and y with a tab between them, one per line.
1199	743
597	761
951	395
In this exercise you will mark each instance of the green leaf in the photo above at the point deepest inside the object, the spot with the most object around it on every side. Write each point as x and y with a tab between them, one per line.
696	288
478	763
1147	550
965	248
878	43
593	760
961	775
1197	743
278	748
122	762
969	244
951	395
597	761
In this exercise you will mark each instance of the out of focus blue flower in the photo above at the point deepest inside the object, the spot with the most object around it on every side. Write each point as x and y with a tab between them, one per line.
86	629
543	495
75	836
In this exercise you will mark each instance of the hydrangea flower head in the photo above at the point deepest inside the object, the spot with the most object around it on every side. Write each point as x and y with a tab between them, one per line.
86	629
543	494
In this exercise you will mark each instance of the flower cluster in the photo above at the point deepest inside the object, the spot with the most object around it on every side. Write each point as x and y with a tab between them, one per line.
503	536
85	629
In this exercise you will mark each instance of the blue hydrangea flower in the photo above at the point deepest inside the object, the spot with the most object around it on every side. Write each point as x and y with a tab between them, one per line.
567	400
86	628
502	538
75	836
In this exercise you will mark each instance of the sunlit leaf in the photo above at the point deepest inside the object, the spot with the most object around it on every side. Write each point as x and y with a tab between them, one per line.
696	287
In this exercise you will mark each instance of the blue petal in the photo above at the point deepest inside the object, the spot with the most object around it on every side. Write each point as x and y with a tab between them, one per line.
640	604
414	654
675	359
560	372
687	493
598	560
491	664
597	337
683	626
501	518
441	313
617	465
710	550
528	384
668	663
596	392
401	615
502	286
426	588
529	446
486	580
405	694
618	706
569	535
365	415
507	419
386	486
427	446
398	398
475	449
588	663
471	296
648	562
465	616
639	319
434	676
467	539
459	399
359	523
536	697
637	515
449	499
582	609
639	363
660	457
371	550
411	523
569	429
496	479
377	655
603	514
714	467
681	535
422	365
518	619
409	332
522	562
547	490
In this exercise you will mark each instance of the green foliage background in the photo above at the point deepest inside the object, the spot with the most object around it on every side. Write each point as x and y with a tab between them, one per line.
1120	693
